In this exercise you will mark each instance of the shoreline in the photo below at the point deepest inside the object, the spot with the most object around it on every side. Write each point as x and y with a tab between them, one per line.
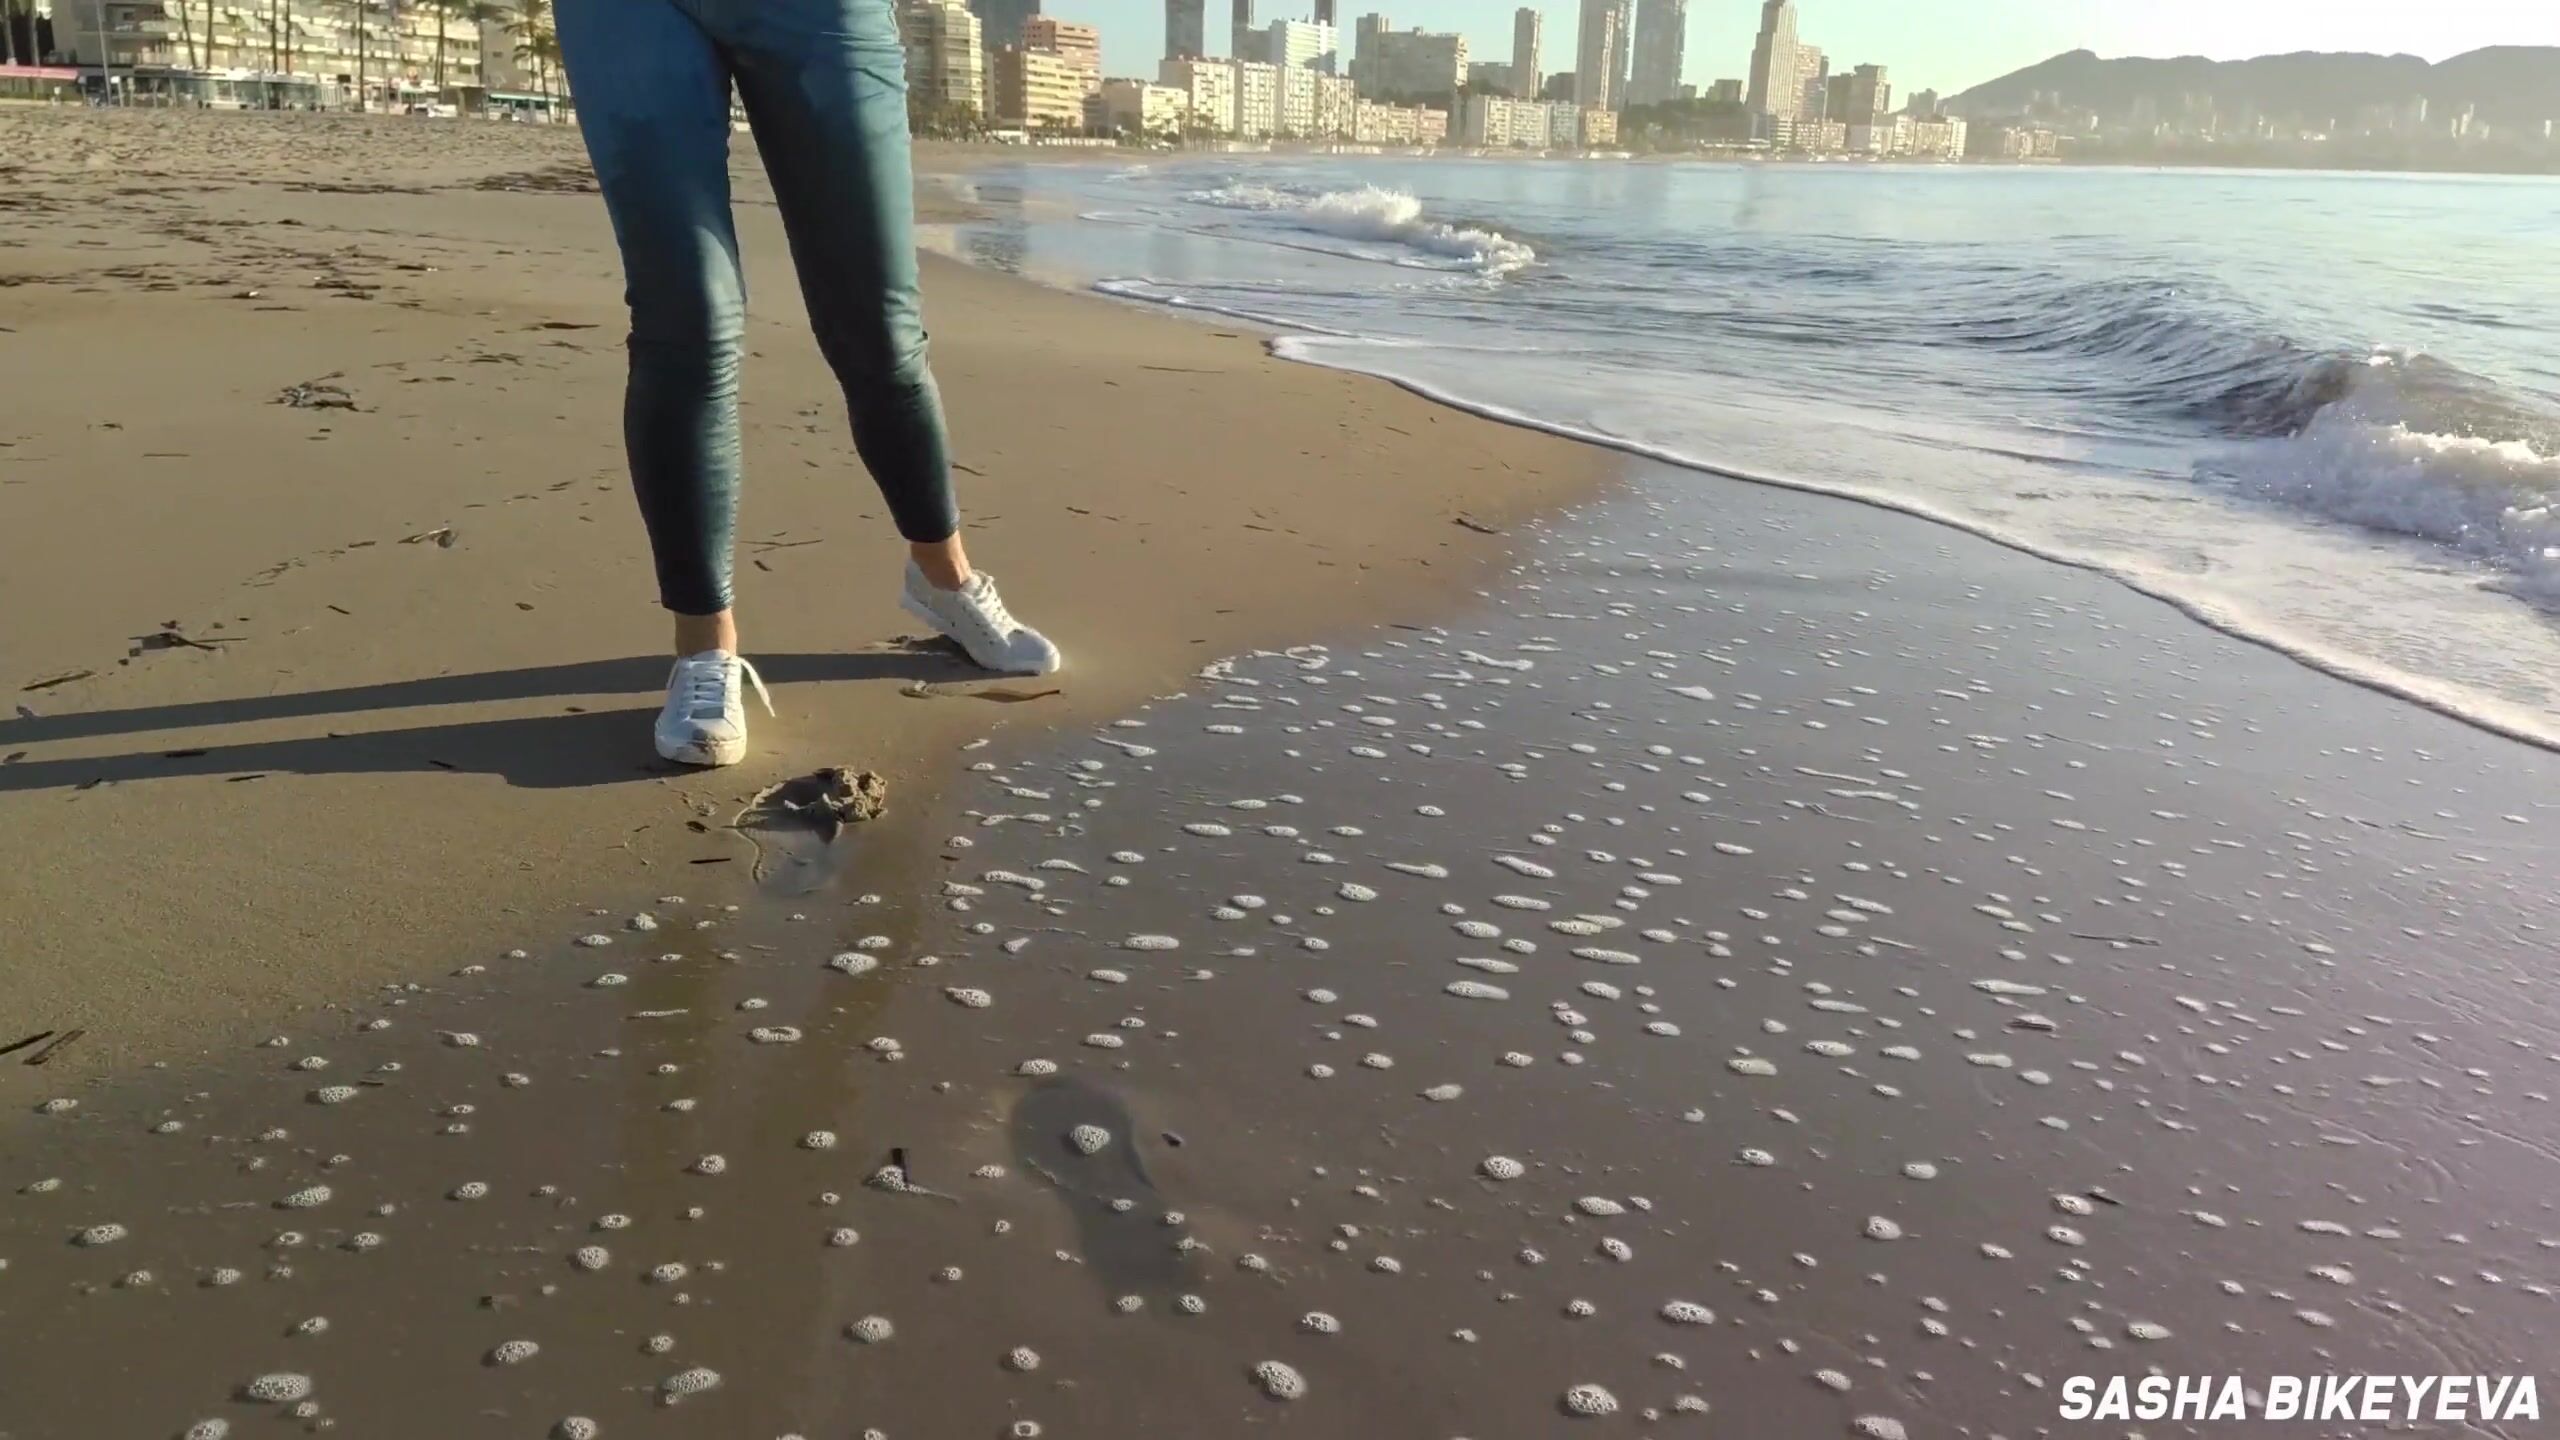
429	742
2470	700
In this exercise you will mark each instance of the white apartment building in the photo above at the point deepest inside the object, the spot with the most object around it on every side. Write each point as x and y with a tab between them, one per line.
945	64
214	50
1374	123
1336	100
1303	44
1257	99
1496	123
1140	107
1211	84
1297	102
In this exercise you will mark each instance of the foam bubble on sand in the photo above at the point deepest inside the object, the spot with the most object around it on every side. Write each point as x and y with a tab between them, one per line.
1316	1322
843	1237
97	1235
281	1388
1880	1228
709	1165
1599	956
513	1352
1755	1157
1831	1380
871	1329
1750	1065
1022	1359
1279	1381
1490	967
576	1427
1919	1170
1424	869
1089	1139
2007	987
775	1035
216	1429
2074	1205
1878	1427
818	1140
2065	1235
310	1199
1599	1205
334	1094
591	1257
688	1382
1036	1068
854	962
1589	1402
669	1273
1476	990
1687	1312
1832	1049
1151	942
1502	1167
967	998
2145	1330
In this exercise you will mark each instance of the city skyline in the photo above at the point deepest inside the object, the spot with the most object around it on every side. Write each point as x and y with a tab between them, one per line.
1912	38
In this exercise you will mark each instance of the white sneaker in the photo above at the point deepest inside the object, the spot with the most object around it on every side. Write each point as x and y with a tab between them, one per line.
976	619
705	718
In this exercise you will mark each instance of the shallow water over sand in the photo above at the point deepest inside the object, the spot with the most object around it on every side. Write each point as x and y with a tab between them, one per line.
1782	966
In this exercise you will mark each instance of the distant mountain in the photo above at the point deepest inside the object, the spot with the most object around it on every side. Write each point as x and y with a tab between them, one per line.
2511	85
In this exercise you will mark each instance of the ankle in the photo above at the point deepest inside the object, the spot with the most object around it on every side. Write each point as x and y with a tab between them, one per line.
943	563
697	633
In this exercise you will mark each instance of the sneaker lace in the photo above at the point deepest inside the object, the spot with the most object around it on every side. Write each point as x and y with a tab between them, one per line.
707	685
990	605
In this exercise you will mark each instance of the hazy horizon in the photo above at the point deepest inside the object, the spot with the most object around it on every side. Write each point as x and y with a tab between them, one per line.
1934	44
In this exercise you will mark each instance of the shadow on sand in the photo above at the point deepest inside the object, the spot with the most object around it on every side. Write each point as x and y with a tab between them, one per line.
578	748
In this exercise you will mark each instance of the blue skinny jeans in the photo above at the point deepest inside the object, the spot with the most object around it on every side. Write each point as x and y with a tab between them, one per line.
824	85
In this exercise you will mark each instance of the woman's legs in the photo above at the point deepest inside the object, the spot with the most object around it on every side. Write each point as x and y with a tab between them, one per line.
824	83
653	101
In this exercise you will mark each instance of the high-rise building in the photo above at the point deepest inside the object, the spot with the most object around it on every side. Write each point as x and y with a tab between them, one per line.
1527	26
1324	12
1365	35
1725	92
1489	77
1661	39
1241	19
1078	45
1813	82
1924	105
1000	21
1186	29
1600	54
1774	87
1869	95
1301	45
1037	90
1417	63
944	62
1835	104
1257	99
1212	87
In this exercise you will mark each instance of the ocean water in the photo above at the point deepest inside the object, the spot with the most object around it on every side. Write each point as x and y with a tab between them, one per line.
2322	411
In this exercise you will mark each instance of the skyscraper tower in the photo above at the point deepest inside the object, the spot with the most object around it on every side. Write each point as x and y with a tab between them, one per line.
1000	21
1527	27
1185	29
1661	36
1324	12
1243	25
1600	55
1775	89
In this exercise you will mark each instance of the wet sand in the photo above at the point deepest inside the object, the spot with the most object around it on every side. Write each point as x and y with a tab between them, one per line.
324	612
1899	974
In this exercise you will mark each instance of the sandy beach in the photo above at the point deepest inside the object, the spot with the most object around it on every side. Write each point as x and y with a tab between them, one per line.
416	605
1704	959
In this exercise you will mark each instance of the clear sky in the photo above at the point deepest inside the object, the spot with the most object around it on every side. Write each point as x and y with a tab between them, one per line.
1943	45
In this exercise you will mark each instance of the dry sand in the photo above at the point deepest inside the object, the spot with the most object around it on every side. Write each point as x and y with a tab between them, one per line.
390	742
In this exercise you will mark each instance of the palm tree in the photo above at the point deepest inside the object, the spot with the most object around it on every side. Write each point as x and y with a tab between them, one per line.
537	39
